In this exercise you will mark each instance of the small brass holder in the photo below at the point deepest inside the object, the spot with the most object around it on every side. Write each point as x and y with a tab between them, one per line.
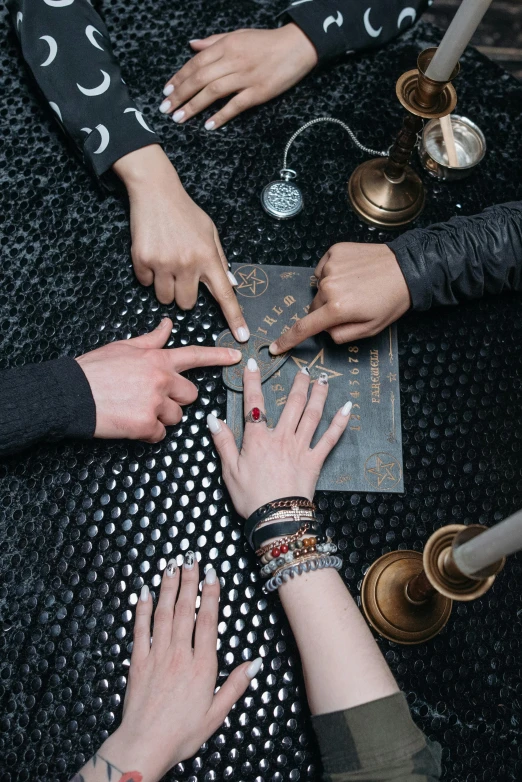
386	191
407	596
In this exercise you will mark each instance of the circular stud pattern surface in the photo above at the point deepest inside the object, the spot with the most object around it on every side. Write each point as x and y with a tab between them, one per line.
84	525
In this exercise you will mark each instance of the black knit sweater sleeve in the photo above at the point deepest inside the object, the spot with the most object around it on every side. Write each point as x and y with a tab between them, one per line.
44	402
339	26
464	258
68	50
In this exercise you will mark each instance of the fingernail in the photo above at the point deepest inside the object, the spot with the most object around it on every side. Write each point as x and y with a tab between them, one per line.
306	371
144	594
254	667
162	322
195	40
190	558
210	124
346	409
235	354
323	379
273	349
171	568
213	423
211	576
178	115
232	279
243	334
165	106
252	365
168	90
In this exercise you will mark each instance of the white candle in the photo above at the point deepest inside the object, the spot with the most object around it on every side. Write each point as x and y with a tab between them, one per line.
499	541
457	37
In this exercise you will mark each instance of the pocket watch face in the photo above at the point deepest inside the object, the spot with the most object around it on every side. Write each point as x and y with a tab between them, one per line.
282	199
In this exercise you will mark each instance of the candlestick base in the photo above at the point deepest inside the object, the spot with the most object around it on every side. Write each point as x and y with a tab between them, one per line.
388	608
381	201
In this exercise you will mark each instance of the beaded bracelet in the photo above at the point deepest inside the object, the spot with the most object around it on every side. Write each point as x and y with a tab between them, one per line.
286	540
319	563
285	558
281	518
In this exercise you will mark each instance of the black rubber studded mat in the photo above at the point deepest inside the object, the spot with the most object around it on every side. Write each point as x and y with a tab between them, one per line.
84	525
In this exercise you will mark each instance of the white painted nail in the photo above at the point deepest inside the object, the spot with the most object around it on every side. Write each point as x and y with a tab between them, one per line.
178	115
210	124
195	40
346	409
323	379
306	371
144	594
190	558
165	106
232	279
254	667
171	568
252	365
213	423
243	334
168	90
211	576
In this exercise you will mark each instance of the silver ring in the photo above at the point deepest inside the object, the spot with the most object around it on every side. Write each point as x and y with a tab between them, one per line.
256	416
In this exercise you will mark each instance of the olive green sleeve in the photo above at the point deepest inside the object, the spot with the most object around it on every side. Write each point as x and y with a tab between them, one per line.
376	742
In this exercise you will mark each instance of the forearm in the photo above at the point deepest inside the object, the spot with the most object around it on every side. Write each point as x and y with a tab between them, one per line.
44	402
339	26
464	258
76	70
342	664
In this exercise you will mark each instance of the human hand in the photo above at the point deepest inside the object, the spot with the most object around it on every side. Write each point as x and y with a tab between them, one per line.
278	462
136	386
361	290
170	708
256	65
175	244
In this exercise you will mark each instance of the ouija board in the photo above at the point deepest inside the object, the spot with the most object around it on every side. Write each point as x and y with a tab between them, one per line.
368	457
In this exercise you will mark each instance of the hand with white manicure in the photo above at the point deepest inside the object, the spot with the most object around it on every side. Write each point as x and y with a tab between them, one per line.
175	244
252	65
279	462
170	707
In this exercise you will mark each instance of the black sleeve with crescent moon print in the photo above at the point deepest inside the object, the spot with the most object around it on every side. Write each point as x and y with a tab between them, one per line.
340	26
67	48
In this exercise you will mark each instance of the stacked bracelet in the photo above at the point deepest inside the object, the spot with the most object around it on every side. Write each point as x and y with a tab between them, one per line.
304	548
289	508
317	563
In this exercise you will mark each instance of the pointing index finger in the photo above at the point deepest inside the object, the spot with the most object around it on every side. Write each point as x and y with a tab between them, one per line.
195	356
311	324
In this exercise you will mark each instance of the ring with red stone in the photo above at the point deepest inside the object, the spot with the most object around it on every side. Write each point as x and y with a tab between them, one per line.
256	416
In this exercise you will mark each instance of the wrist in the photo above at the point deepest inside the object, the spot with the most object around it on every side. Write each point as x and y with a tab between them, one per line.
145	166
300	42
131	754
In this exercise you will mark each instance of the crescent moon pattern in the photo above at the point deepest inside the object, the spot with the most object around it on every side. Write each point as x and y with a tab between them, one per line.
332	20
104	135
86	130
369	29
19	17
53	48
409	11
139	117
103	87
89	32
56	110
58	3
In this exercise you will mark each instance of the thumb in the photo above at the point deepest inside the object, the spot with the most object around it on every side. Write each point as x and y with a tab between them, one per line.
198	44
234	687
156	338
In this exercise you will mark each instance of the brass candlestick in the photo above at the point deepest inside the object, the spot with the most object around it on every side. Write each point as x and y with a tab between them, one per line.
386	191
407	596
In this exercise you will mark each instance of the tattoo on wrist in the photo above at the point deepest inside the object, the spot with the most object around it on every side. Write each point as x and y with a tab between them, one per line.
112	772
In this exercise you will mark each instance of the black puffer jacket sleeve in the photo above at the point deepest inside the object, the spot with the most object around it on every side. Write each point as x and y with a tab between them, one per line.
464	258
